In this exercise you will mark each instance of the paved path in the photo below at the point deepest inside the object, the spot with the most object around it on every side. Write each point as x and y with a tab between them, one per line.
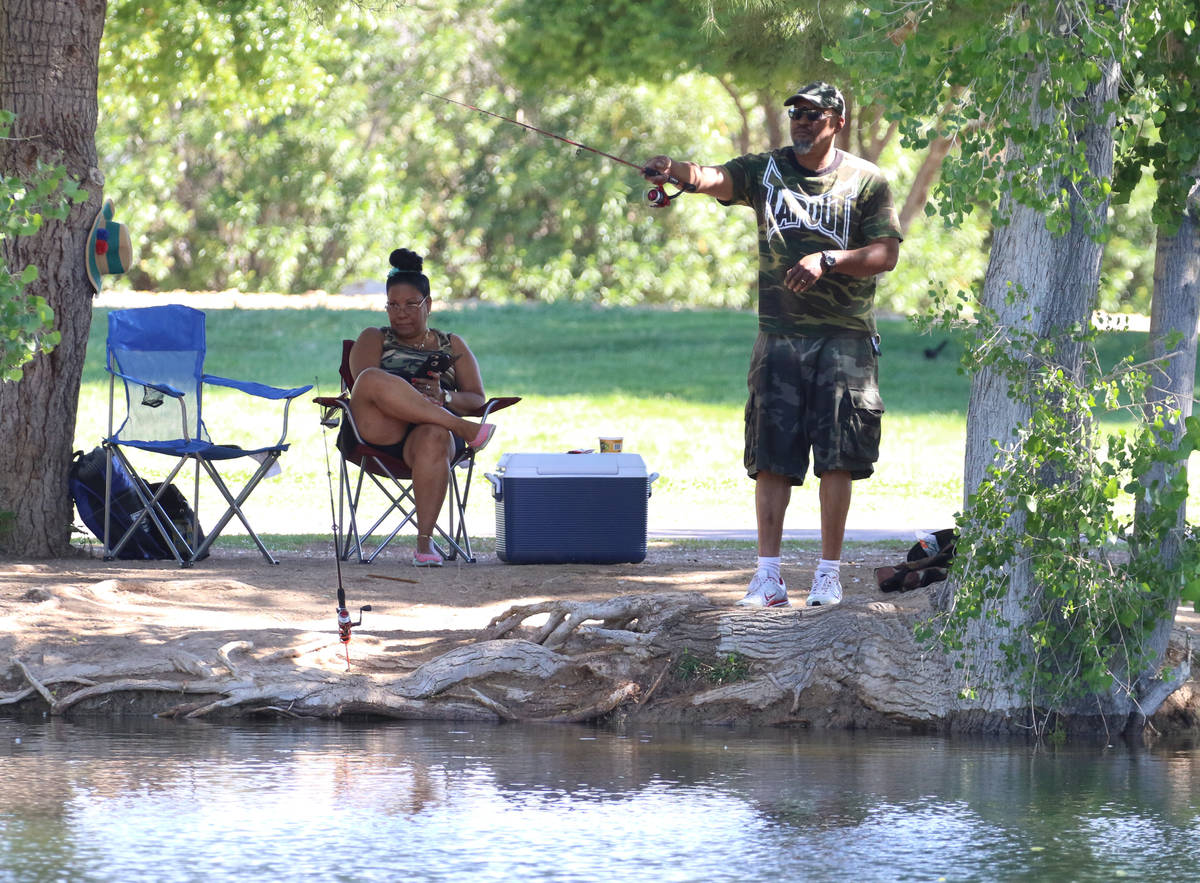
852	535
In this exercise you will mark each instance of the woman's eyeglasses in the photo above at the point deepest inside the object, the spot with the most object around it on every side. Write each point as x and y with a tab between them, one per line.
811	114
410	307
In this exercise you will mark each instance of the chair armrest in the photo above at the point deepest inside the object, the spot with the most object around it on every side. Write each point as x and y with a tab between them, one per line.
331	408
495	404
164	388
261	390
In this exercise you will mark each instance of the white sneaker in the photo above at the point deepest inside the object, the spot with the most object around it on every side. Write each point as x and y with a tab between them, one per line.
765	591
826	590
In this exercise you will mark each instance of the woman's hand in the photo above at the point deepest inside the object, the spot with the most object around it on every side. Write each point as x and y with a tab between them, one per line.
430	387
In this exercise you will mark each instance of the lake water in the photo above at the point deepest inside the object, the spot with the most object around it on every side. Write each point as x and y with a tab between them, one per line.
85	800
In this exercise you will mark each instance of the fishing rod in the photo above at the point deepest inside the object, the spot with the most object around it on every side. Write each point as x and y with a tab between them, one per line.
343	620
344	625
657	195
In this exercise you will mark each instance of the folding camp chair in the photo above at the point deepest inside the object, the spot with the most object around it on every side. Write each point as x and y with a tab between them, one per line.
393	479
157	354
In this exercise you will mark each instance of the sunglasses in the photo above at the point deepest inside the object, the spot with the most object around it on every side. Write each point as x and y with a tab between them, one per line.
811	114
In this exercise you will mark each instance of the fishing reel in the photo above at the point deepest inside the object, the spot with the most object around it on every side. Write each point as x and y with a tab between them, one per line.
658	197
343	618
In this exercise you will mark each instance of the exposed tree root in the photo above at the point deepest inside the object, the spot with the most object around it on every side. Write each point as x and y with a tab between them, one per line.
854	665
624	615
34	682
597	709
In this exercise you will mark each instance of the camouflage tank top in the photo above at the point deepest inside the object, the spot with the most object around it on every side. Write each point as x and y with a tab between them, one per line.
403	360
800	212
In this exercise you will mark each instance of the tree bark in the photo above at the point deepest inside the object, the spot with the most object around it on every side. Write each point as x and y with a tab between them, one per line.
49	56
1042	284
1174	312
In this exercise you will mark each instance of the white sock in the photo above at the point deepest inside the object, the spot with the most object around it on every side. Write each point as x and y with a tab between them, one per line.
770	566
826	565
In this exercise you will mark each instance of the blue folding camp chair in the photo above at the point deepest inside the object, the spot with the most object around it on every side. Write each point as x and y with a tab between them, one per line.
157	354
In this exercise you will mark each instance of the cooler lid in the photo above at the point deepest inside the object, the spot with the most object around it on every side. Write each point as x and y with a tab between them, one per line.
545	465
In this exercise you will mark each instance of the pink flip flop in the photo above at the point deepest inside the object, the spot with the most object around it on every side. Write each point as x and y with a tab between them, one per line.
481	439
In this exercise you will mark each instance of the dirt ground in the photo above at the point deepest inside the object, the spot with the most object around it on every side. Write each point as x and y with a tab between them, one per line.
54	605
97	617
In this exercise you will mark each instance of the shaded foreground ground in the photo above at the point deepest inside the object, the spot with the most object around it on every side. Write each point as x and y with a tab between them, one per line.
107	616
65	602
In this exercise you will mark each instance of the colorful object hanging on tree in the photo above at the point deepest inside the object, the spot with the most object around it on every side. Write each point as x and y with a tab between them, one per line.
109	250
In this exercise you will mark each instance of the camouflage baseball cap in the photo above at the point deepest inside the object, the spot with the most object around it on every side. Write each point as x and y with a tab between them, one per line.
822	95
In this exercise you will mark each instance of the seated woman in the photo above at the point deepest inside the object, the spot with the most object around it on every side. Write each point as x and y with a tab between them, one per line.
414	416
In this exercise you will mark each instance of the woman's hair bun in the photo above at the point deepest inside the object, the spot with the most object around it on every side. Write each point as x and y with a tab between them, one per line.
406	261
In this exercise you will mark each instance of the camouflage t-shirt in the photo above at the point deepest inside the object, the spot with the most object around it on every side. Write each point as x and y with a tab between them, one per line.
799	212
405	361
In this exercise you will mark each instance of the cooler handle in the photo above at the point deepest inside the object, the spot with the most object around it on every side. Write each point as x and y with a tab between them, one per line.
649	483
497	484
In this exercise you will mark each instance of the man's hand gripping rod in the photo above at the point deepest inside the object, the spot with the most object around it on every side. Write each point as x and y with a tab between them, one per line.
657	195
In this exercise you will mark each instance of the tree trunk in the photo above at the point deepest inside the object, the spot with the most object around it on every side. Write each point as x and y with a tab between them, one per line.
49	56
777	135
918	194
874	136
742	138
1042	284
931	167
1174	311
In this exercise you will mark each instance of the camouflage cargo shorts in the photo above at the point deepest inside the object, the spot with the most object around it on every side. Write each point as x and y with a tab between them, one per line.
817	395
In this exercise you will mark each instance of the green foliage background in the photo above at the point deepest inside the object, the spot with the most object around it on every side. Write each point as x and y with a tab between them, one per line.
26	320
252	146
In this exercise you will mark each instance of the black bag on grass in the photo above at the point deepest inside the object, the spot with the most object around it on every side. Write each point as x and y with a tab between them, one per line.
175	504
86	484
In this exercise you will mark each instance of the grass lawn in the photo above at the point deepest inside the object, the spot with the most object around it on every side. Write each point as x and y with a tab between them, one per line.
671	383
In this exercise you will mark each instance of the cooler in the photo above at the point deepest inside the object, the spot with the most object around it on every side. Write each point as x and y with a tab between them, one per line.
571	508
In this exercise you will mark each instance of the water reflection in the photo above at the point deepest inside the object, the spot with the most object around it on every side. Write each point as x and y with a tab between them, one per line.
84	800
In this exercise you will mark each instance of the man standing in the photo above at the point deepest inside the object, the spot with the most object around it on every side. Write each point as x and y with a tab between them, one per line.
826	228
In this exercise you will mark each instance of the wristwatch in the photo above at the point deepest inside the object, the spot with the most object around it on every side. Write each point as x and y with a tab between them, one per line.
446	398
828	261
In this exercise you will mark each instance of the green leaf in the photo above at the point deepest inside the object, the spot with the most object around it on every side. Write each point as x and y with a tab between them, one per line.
1191	591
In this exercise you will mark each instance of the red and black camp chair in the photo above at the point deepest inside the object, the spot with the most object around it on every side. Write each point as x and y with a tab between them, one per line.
363	466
